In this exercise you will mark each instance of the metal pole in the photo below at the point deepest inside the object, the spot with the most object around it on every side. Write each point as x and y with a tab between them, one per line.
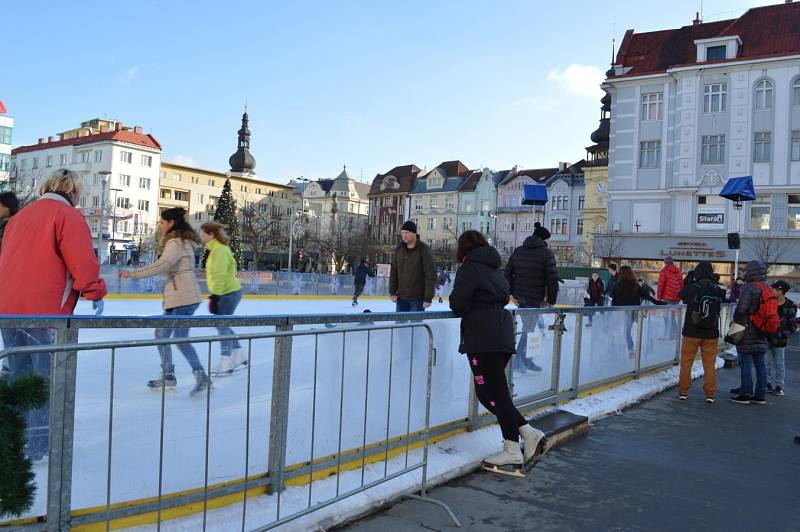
291	238
576	352
279	413
738	228
639	327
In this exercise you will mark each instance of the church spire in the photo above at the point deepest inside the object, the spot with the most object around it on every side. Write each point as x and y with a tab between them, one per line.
243	162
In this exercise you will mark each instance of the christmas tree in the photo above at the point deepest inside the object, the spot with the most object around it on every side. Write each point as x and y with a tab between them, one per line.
17	483
226	214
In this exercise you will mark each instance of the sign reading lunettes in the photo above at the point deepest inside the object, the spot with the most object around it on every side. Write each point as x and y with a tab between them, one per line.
710	218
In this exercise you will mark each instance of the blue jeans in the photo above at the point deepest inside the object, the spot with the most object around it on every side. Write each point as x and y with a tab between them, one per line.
409	305
746	362
37	421
776	365
182	332
226	305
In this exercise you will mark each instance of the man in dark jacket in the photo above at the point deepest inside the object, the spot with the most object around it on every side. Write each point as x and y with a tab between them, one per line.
413	276
533	280
753	346
360	280
596	294
700	329
776	363
612	278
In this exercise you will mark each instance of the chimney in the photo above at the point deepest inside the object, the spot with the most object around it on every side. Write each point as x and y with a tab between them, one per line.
41	140
562	166
696	20
51	139
117	126
137	130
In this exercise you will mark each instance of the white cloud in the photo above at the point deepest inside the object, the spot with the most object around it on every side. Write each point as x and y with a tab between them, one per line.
184	160
133	72
583	80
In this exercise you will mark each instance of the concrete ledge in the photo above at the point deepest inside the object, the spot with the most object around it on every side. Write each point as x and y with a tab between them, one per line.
561	427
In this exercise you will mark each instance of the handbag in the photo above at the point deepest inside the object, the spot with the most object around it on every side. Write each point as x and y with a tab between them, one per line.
735	333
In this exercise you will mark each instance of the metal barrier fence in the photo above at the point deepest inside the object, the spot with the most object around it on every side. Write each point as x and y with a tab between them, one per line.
328	418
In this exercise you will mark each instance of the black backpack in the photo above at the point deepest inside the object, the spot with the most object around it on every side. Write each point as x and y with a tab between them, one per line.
706	306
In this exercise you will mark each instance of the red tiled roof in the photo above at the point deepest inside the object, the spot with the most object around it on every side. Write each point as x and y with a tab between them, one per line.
406	177
140	139
471	183
453	168
769	31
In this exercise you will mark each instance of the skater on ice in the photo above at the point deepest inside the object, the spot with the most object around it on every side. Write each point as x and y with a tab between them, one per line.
225	292
182	294
360	280
413	275
595	293
441	282
627	292
480	294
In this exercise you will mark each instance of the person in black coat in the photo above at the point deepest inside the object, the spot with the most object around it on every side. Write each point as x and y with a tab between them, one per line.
753	346
479	296
626	292
596	292
360	280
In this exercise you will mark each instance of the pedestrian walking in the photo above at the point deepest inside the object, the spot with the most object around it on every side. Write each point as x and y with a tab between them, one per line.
480	294
756	307
181	295
47	263
441	281
776	348
736	289
225	293
626	292
612	279
533	281
360	280
413	274
703	299
670	283
595	292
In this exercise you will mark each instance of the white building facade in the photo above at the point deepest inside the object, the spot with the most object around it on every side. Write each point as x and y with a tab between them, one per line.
726	106
119	169
6	137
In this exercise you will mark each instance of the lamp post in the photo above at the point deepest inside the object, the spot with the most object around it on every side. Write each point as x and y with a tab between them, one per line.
114	221
291	223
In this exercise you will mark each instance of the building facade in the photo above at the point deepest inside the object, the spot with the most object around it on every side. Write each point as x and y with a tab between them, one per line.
515	221
389	208
6	138
477	202
564	214
118	166
692	107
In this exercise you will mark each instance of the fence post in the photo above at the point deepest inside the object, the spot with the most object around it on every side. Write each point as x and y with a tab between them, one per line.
639	333
63	368
555	375
576	353
279	411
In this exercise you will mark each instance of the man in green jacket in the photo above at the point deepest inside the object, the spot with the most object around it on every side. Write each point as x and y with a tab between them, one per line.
413	276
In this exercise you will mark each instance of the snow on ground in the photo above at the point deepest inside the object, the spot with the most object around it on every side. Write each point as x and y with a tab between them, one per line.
386	373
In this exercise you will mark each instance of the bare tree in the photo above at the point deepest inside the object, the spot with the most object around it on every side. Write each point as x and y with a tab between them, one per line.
146	242
608	246
768	247
262	227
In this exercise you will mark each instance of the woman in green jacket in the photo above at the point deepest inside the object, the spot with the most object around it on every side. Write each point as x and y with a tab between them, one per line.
225	292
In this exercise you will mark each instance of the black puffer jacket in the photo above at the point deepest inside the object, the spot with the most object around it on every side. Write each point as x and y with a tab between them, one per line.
479	296
753	342
531	273
787	313
699	279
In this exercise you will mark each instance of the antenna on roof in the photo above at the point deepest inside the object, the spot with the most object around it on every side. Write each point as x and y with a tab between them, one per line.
613	41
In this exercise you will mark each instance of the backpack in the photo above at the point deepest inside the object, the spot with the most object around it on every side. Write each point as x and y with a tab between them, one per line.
766	318
706	307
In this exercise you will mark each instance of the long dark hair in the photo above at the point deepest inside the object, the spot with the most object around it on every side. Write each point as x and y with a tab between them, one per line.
468	241
181	227
627	285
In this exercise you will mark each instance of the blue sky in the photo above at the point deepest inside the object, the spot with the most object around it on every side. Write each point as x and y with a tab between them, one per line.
369	84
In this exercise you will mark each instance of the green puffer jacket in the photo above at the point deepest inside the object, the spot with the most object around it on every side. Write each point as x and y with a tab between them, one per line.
413	273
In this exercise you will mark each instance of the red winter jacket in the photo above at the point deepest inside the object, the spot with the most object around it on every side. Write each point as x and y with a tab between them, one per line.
670	283
47	260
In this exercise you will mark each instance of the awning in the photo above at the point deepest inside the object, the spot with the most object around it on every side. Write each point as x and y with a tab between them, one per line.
739	189
534	195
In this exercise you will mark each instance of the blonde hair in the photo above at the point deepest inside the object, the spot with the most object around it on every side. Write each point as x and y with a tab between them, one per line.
63	182
217	230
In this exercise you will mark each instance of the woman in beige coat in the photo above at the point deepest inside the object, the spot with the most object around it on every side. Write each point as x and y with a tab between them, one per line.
182	294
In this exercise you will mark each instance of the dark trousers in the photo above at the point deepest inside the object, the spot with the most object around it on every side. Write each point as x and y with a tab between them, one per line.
746	363
409	305
226	306
589	315
491	388
359	289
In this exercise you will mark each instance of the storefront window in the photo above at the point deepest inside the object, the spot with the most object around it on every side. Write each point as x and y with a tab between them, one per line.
759	214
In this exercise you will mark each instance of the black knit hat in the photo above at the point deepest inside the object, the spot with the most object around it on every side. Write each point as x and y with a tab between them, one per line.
781	285
541	232
409	226
10	201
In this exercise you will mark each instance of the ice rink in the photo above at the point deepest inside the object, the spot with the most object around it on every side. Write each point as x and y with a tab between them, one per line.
375	380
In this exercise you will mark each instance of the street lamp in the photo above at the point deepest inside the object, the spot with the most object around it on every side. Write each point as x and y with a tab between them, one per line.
493	220
114	221
106	177
291	222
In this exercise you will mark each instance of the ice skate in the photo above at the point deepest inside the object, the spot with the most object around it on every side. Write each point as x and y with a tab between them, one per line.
225	366
355	303
508	462
166	381
535	443
202	382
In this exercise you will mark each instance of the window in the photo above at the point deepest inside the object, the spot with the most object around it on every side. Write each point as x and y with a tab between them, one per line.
714	98
431	224
195	180
212	183
162	174
435	182
796	145
147	160
796	91
198	216
652	105
98	156
126	157
177	195
763	95
144	182
418	204
650	154
96	180
62	160
48	162
35	163
125	180
793	218
258	190
176	177
82	201
5	162
485	206
123	203
85	156
200	199
713	151
558	226
95	201
467	205
450	202
762	146
581	203
93	225
144	205
5	135
434	203
715	53
448	223
528	224
579	226
759	213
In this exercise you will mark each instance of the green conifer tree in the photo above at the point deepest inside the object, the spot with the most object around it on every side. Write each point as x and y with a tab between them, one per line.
226	214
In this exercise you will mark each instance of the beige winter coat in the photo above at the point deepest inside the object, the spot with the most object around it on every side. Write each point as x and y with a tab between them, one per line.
177	262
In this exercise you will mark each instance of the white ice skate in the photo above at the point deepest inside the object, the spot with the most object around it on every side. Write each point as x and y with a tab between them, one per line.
508	462
535	443
229	364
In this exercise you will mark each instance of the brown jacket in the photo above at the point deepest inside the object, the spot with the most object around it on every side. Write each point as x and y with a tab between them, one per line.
177	261
413	274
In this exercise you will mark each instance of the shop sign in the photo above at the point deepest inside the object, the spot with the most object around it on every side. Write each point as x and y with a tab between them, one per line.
710	218
692	250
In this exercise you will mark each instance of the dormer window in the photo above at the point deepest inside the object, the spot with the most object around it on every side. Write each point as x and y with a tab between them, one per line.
435	182
718	48
716	53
